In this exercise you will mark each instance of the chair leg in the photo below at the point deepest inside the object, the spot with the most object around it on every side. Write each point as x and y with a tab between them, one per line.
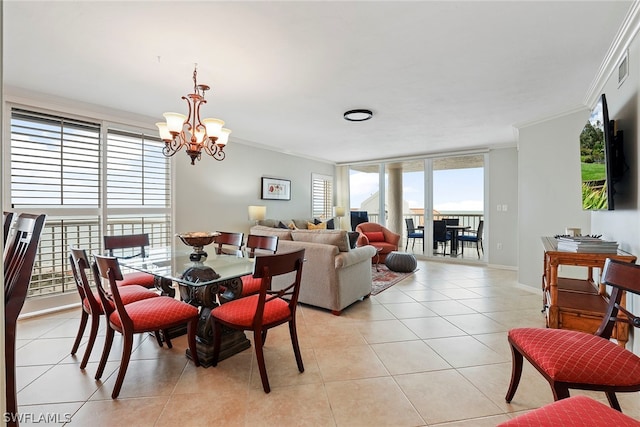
95	322
516	373
613	401
296	347
158	337
478	249
108	340
407	245
257	342
83	324
127	346
559	391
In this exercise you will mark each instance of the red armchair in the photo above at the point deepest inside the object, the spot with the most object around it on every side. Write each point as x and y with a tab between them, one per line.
376	235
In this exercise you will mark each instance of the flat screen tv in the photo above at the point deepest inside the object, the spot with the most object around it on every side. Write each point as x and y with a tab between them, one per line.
601	159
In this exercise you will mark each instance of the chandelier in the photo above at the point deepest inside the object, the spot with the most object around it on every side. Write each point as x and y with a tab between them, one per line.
191	132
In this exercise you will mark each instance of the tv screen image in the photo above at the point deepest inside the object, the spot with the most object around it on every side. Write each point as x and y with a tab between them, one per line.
598	159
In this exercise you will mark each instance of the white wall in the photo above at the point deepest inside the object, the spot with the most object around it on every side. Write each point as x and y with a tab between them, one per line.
213	195
549	196
502	226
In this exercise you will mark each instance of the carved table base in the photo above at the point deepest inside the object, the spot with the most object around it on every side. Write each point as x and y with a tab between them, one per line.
206	297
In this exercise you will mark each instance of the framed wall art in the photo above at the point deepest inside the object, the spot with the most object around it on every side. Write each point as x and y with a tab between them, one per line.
276	189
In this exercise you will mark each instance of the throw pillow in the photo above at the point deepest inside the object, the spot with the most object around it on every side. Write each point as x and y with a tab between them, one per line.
330	224
292	226
282	225
375	236
321	226
316	221
353	238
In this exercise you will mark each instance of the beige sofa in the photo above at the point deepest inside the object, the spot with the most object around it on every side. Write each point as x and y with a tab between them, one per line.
334	275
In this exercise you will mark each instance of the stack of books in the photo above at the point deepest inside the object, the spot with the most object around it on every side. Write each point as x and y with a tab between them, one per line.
586	244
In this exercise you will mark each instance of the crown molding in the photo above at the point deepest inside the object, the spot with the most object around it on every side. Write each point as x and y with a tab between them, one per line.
628	30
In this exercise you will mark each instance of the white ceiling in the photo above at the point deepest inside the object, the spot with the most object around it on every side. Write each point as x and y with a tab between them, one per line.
439	76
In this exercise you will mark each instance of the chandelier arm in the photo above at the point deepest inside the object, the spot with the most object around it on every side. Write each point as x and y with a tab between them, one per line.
171	148
189	101
214	150
196	114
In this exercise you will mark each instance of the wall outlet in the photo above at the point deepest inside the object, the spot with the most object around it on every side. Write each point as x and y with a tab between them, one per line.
504	208
499	246
499	208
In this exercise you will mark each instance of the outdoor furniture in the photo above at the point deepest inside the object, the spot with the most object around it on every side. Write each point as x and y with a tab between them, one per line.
476	238
413	233
440	235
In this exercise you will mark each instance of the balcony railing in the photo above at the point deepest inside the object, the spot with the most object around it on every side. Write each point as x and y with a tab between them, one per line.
470	220
52	272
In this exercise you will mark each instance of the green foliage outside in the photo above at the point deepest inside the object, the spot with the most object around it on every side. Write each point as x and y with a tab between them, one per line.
594	198
592	167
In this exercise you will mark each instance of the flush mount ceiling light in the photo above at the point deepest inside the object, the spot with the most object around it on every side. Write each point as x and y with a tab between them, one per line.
359	115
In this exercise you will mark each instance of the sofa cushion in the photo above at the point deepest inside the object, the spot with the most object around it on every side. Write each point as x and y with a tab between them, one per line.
320	226
375	236
328	237
262	230
301	223
268	222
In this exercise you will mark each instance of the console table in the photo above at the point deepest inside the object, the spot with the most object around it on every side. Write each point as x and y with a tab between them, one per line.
578	304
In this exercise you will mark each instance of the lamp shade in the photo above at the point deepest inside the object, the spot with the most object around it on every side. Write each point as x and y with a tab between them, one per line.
257	213
338	211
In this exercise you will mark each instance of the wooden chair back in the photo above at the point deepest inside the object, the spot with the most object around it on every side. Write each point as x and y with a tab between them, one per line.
269	266
107	268
7	219
264	243
79	265
128	241
228	239
19	257
622	277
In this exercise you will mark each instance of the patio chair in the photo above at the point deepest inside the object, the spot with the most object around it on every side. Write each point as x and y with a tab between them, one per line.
413	233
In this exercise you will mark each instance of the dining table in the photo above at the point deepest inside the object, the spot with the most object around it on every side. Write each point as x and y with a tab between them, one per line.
207	283
455	232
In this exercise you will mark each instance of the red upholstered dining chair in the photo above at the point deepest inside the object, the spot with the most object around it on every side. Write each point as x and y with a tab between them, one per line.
265	310
571	359
226	239
376	235
573	411
19	257
124	247
268	244
148	315
91	302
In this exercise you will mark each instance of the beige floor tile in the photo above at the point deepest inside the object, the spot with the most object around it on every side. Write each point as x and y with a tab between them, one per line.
232	375
432	327
426	295
476	422
476	323
44	351
61	383
198	408
442	396
409	310
448	307
371	402
385	331
53	414
25	375
139	412
282	369
349	363
392	296
409	357
465	351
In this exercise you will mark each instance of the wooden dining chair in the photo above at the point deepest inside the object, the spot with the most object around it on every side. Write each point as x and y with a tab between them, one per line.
19	258
228	242
130	246
91	302
7	219
264	244
148	315
578	360
265	310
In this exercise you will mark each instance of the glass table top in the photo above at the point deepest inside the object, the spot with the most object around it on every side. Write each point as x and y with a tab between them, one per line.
174	264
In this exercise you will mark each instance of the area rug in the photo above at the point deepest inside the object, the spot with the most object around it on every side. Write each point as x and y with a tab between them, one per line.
385	278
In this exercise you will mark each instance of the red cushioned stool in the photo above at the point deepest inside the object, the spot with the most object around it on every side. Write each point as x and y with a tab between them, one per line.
572	412
578	360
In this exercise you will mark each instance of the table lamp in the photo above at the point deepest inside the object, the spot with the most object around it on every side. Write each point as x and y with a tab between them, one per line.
257	213
339	212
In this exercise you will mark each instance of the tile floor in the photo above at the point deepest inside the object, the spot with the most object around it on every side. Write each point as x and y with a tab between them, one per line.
431	350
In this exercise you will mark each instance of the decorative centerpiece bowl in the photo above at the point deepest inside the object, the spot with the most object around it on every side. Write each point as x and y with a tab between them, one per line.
198	240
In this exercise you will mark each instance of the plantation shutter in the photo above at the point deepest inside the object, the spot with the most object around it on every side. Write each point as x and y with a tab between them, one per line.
322	196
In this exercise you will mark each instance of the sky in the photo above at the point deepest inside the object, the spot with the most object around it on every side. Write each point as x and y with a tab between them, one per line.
453	189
